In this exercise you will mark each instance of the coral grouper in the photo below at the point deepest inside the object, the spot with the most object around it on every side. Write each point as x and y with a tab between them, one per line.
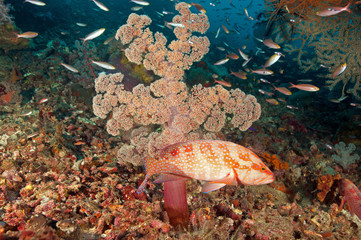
219	163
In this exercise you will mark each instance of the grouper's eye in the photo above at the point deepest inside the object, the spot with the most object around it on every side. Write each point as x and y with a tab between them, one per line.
263	169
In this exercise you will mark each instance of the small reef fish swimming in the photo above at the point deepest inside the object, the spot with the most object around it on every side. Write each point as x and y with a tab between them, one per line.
43	100
304	80
243	55
262	71
351	195
166	12
340	69
265	81
81	24
283	90
26	114
225	29
334	10
232	55
140	2
324	66
219	28
337	100
173	24
265	92
136	8
241	75
218	162
101	6
291	107
305	87
222	61
246	62
247	15
108	40
159	14
70	68
199	7
94	34
103	65
27	35
269	43
79	143
259	51
272	101
273	59
223	83
36	2
357	105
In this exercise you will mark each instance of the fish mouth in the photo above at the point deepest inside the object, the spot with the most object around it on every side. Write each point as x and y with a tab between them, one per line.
265	180
269	179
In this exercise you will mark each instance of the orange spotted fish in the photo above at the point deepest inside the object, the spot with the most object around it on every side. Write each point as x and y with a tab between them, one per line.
351	195
219	163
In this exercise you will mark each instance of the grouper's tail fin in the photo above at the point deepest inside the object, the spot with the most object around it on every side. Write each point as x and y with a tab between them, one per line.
148	164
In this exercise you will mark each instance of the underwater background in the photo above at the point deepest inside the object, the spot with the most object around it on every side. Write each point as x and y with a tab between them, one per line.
91	91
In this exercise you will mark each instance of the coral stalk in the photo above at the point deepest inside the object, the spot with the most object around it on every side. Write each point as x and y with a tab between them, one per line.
175	203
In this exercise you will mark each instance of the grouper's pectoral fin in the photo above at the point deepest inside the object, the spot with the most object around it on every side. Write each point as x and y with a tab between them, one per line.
229	179
209	187
166	177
